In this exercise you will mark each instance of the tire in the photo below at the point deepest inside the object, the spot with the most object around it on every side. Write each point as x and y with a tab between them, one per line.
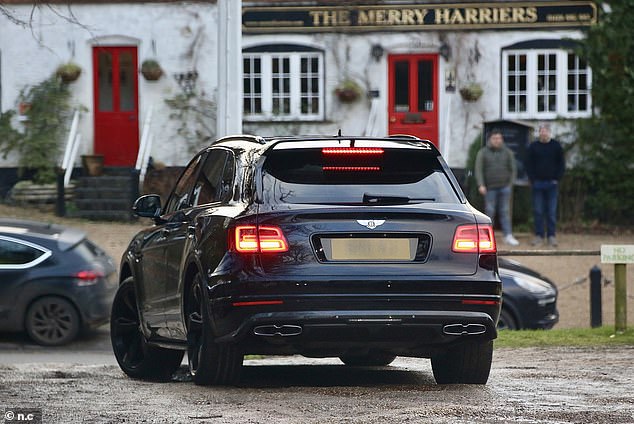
468	363
135	356
368	360
506	321
52	321
209	363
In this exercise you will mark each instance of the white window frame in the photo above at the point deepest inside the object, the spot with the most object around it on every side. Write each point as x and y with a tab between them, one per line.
266	95
532	89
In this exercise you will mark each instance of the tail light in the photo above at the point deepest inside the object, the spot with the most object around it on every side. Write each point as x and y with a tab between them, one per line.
259	239
88	277
474	239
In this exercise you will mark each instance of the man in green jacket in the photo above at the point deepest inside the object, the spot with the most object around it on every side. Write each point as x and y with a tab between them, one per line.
495	173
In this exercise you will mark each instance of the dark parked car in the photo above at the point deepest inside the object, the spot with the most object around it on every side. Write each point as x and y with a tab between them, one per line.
349	247
54	282
529	300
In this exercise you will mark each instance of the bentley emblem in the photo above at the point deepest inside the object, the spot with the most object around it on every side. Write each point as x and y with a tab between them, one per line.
371	223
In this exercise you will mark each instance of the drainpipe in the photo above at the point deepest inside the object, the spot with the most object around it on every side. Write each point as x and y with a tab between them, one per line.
229	61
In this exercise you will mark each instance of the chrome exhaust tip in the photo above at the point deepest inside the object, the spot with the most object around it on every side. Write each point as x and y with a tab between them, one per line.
464	329
273	330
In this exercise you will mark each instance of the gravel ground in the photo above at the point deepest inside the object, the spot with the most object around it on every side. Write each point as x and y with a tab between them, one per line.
532	385
570	273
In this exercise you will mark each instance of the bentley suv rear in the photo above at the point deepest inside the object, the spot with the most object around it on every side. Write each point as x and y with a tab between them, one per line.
362	249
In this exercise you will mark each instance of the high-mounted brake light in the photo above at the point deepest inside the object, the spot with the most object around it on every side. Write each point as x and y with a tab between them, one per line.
351	168
474	239
259	239
352	151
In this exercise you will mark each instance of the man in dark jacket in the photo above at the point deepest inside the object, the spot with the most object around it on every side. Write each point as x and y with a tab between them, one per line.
545	165
495	173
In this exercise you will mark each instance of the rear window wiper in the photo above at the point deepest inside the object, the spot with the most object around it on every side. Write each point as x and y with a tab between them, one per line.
376	199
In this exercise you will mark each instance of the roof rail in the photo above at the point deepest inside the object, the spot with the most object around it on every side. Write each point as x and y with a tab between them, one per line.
407	136
241	137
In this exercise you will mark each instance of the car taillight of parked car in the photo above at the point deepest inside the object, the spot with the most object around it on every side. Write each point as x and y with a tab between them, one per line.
259	239
474	239
88	277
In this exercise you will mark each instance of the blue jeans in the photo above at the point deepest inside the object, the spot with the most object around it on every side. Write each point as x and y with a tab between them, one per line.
499	199
545	206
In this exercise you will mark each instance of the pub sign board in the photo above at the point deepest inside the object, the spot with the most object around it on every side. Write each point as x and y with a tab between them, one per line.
418	17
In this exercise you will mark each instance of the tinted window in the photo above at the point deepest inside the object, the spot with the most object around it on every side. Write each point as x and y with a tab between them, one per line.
309	176
180	197
209	183
13	253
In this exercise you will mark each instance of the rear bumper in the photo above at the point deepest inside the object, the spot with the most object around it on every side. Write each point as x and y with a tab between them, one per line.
334	333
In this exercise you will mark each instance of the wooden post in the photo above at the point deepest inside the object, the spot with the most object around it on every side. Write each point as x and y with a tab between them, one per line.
619	255
620	298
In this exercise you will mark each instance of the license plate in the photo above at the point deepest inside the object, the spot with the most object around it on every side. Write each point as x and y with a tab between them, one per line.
370	249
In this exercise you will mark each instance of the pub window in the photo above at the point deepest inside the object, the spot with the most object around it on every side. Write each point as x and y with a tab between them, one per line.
545	79
283	82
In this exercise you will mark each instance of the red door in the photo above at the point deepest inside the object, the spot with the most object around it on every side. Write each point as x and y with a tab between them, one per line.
116	104
413	95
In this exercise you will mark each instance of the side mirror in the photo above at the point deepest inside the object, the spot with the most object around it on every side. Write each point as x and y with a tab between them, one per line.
148	206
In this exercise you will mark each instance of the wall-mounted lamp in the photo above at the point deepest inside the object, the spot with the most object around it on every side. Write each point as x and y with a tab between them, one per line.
445	51
376	51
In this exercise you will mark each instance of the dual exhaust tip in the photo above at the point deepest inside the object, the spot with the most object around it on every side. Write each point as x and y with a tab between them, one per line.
285	330
289	330
464	329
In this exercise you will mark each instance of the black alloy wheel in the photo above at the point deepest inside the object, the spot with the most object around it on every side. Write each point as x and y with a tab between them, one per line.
52	321
209	363
135	356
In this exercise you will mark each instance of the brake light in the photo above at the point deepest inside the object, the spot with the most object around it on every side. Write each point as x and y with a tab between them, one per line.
87	278
351	168
259	239
474	239
352	151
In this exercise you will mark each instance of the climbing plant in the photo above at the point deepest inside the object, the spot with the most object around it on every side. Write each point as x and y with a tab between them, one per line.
38	143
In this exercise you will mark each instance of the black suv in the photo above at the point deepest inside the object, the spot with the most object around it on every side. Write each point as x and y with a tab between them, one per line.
351	247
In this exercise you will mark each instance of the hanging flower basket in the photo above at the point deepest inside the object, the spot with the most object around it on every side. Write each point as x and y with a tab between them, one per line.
471	92
68	72
348	91
151	70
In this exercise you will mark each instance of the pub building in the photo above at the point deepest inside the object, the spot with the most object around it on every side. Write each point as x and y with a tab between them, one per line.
439	70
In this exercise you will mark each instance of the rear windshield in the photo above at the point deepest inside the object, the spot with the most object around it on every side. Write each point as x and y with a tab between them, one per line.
366	176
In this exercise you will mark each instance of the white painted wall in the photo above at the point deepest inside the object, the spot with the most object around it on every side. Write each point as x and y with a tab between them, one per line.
182	36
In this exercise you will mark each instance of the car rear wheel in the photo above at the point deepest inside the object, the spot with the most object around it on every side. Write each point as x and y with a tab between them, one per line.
368	360
468	363
506	321
210	363
135	356
52	321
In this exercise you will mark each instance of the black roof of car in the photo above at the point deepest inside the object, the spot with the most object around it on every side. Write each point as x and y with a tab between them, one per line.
259	140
